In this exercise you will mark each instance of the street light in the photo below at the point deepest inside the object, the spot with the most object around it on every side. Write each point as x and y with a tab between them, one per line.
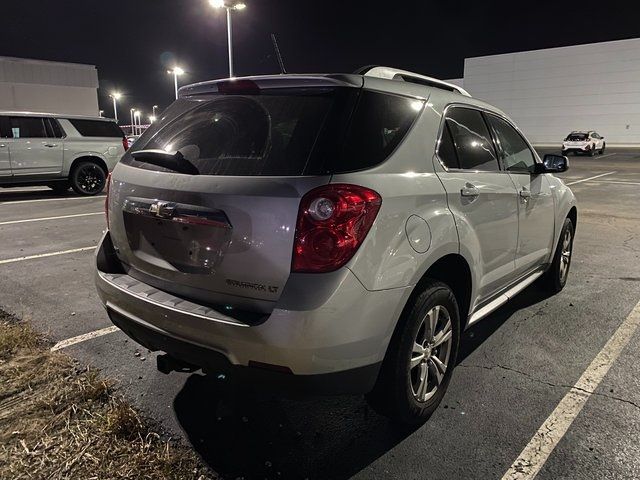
101	113
115	96
228	7
152	118
136	115
177	71
154	110
131	111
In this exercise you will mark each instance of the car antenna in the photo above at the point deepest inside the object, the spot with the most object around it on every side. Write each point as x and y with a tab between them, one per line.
278	56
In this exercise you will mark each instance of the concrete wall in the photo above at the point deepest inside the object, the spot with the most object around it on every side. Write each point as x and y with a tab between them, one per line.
42	86
551	92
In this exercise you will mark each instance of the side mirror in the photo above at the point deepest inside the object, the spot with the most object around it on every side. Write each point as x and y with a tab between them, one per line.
553	164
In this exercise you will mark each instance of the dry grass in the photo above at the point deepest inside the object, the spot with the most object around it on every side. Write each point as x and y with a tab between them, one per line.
61	422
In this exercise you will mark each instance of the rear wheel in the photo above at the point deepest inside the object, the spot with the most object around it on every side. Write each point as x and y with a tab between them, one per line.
604	145
420	359
556	277
592	151
88	178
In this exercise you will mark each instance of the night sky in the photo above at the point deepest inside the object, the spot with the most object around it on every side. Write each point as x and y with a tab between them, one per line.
134	42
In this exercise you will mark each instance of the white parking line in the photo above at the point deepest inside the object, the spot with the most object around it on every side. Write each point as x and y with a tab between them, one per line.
537	451
606	155
83	338
11	222
53	199
590	178
616	182
42	255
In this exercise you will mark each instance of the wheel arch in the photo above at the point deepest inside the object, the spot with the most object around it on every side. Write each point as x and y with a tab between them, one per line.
89	157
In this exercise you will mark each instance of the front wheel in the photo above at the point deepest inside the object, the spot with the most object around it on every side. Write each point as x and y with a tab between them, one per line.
88	178
556	277
420	359
604	146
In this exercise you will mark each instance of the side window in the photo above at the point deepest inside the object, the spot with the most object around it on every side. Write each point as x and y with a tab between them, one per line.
516	154
27	127
472	140
447	150
5	127
58	132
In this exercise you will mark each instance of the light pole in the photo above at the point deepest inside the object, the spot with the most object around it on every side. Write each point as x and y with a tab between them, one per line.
152	118
153	113
115	96
136	115
228	6
101	113
132	121
176	72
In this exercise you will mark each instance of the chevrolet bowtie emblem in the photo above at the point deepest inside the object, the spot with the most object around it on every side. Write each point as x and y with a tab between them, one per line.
162	209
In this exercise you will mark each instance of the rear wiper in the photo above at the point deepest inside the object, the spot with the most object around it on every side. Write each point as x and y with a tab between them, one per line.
170	160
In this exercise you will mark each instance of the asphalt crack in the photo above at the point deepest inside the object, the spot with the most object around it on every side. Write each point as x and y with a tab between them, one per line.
551	384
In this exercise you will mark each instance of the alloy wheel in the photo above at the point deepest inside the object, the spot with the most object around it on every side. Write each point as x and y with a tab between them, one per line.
90	178
430	354
565	255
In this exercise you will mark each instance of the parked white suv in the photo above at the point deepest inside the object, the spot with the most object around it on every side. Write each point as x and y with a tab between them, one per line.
58	151
329	233
584	142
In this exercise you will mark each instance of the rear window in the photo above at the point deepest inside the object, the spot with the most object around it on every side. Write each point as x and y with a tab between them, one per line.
96	128
577	137
300	133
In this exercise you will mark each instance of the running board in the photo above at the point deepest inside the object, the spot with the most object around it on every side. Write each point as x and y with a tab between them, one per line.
504	298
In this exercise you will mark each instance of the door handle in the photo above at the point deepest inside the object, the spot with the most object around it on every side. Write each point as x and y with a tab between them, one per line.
525	194
50	145
469	190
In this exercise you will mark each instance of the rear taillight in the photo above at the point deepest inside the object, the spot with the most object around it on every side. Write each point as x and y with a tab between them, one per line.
333	220
106	199
125	143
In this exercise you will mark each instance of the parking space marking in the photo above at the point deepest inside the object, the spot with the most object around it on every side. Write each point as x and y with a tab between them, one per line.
43	255
84	337
59	199
590	178
616	182
11	222
545	440
606	155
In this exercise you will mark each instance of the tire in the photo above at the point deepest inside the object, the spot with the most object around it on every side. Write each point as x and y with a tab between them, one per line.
88	178
556	276
59	188
592	151
604	146
398	393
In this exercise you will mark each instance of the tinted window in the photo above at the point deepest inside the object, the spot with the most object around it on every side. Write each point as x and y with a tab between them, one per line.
446	149
56	128
27	127
472	140
515	153
379	124
5	127
577	137
302	132
96	128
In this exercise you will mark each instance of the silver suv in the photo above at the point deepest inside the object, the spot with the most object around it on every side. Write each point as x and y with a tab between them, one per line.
329	233
58	151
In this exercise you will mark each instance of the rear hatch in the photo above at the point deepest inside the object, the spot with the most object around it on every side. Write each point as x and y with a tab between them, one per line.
223	235
204	205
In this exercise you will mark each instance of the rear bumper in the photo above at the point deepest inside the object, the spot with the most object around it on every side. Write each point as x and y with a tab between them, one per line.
326	334
586	148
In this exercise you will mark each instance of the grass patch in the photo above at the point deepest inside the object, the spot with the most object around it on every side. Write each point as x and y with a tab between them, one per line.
59	421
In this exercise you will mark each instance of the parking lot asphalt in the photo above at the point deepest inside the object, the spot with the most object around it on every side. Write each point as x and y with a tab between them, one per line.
516	366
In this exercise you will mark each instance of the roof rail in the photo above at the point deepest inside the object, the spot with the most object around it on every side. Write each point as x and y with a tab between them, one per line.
404	75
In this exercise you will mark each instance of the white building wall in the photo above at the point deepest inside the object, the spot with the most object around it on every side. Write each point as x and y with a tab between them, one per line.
42	86
551	92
